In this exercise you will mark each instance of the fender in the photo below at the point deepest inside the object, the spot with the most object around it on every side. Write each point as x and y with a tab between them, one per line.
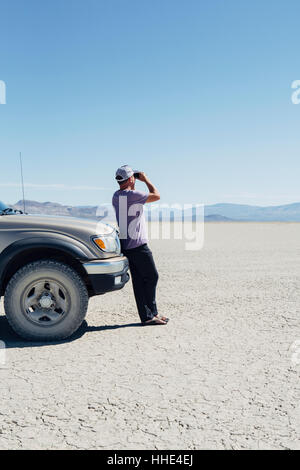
74	248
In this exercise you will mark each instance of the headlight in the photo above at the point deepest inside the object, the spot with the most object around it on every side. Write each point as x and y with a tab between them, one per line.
108	243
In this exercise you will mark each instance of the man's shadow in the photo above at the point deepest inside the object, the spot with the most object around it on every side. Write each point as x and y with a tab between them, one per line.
12	340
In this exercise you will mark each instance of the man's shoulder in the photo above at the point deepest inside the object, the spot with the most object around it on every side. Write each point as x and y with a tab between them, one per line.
122	193
133	195
137	197
117	194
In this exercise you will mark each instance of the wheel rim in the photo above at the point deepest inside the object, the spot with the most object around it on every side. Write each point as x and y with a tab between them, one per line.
45	302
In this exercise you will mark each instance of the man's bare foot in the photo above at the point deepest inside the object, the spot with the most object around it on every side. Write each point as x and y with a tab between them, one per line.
155	321
161	317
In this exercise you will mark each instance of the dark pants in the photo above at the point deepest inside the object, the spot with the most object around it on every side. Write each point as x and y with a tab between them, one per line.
144	277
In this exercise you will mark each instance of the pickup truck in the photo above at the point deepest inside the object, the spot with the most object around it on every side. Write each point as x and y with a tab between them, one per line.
49	268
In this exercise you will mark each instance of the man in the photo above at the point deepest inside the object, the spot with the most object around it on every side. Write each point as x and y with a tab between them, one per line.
128	204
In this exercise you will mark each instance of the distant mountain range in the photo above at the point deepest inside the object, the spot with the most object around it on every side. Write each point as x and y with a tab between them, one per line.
212	213
242	212
53	208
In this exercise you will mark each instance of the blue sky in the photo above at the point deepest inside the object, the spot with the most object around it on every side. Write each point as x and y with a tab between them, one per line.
196	93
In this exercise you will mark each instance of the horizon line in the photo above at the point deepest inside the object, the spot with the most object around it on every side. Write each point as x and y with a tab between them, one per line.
161	204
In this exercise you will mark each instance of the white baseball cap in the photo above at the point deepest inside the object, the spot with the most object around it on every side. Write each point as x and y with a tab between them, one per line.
124	172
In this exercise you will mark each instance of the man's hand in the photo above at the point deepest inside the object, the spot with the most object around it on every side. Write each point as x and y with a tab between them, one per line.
153	191
142	176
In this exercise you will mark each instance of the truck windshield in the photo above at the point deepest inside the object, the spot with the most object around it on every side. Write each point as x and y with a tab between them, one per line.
5	210
2	206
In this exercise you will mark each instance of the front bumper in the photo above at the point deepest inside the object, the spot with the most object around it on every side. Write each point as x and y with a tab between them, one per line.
108	274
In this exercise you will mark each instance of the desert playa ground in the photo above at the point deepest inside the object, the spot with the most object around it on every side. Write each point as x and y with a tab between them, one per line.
223	374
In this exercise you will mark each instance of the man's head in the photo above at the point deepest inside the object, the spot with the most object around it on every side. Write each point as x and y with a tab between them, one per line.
125	177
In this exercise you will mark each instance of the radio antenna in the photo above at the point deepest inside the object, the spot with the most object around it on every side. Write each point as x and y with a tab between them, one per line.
22	182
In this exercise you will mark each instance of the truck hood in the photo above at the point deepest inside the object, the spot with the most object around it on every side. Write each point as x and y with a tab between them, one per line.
81	229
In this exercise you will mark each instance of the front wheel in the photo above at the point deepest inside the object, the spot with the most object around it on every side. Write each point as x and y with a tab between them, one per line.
46	300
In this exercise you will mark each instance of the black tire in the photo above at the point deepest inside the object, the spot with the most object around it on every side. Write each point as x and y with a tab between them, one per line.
41	279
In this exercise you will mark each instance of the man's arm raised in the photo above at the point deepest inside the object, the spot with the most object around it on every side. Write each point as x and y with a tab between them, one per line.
153	191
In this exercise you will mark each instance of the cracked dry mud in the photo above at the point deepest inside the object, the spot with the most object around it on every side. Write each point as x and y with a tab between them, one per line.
218	376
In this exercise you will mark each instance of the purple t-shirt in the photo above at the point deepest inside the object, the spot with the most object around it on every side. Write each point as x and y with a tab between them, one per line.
128	205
